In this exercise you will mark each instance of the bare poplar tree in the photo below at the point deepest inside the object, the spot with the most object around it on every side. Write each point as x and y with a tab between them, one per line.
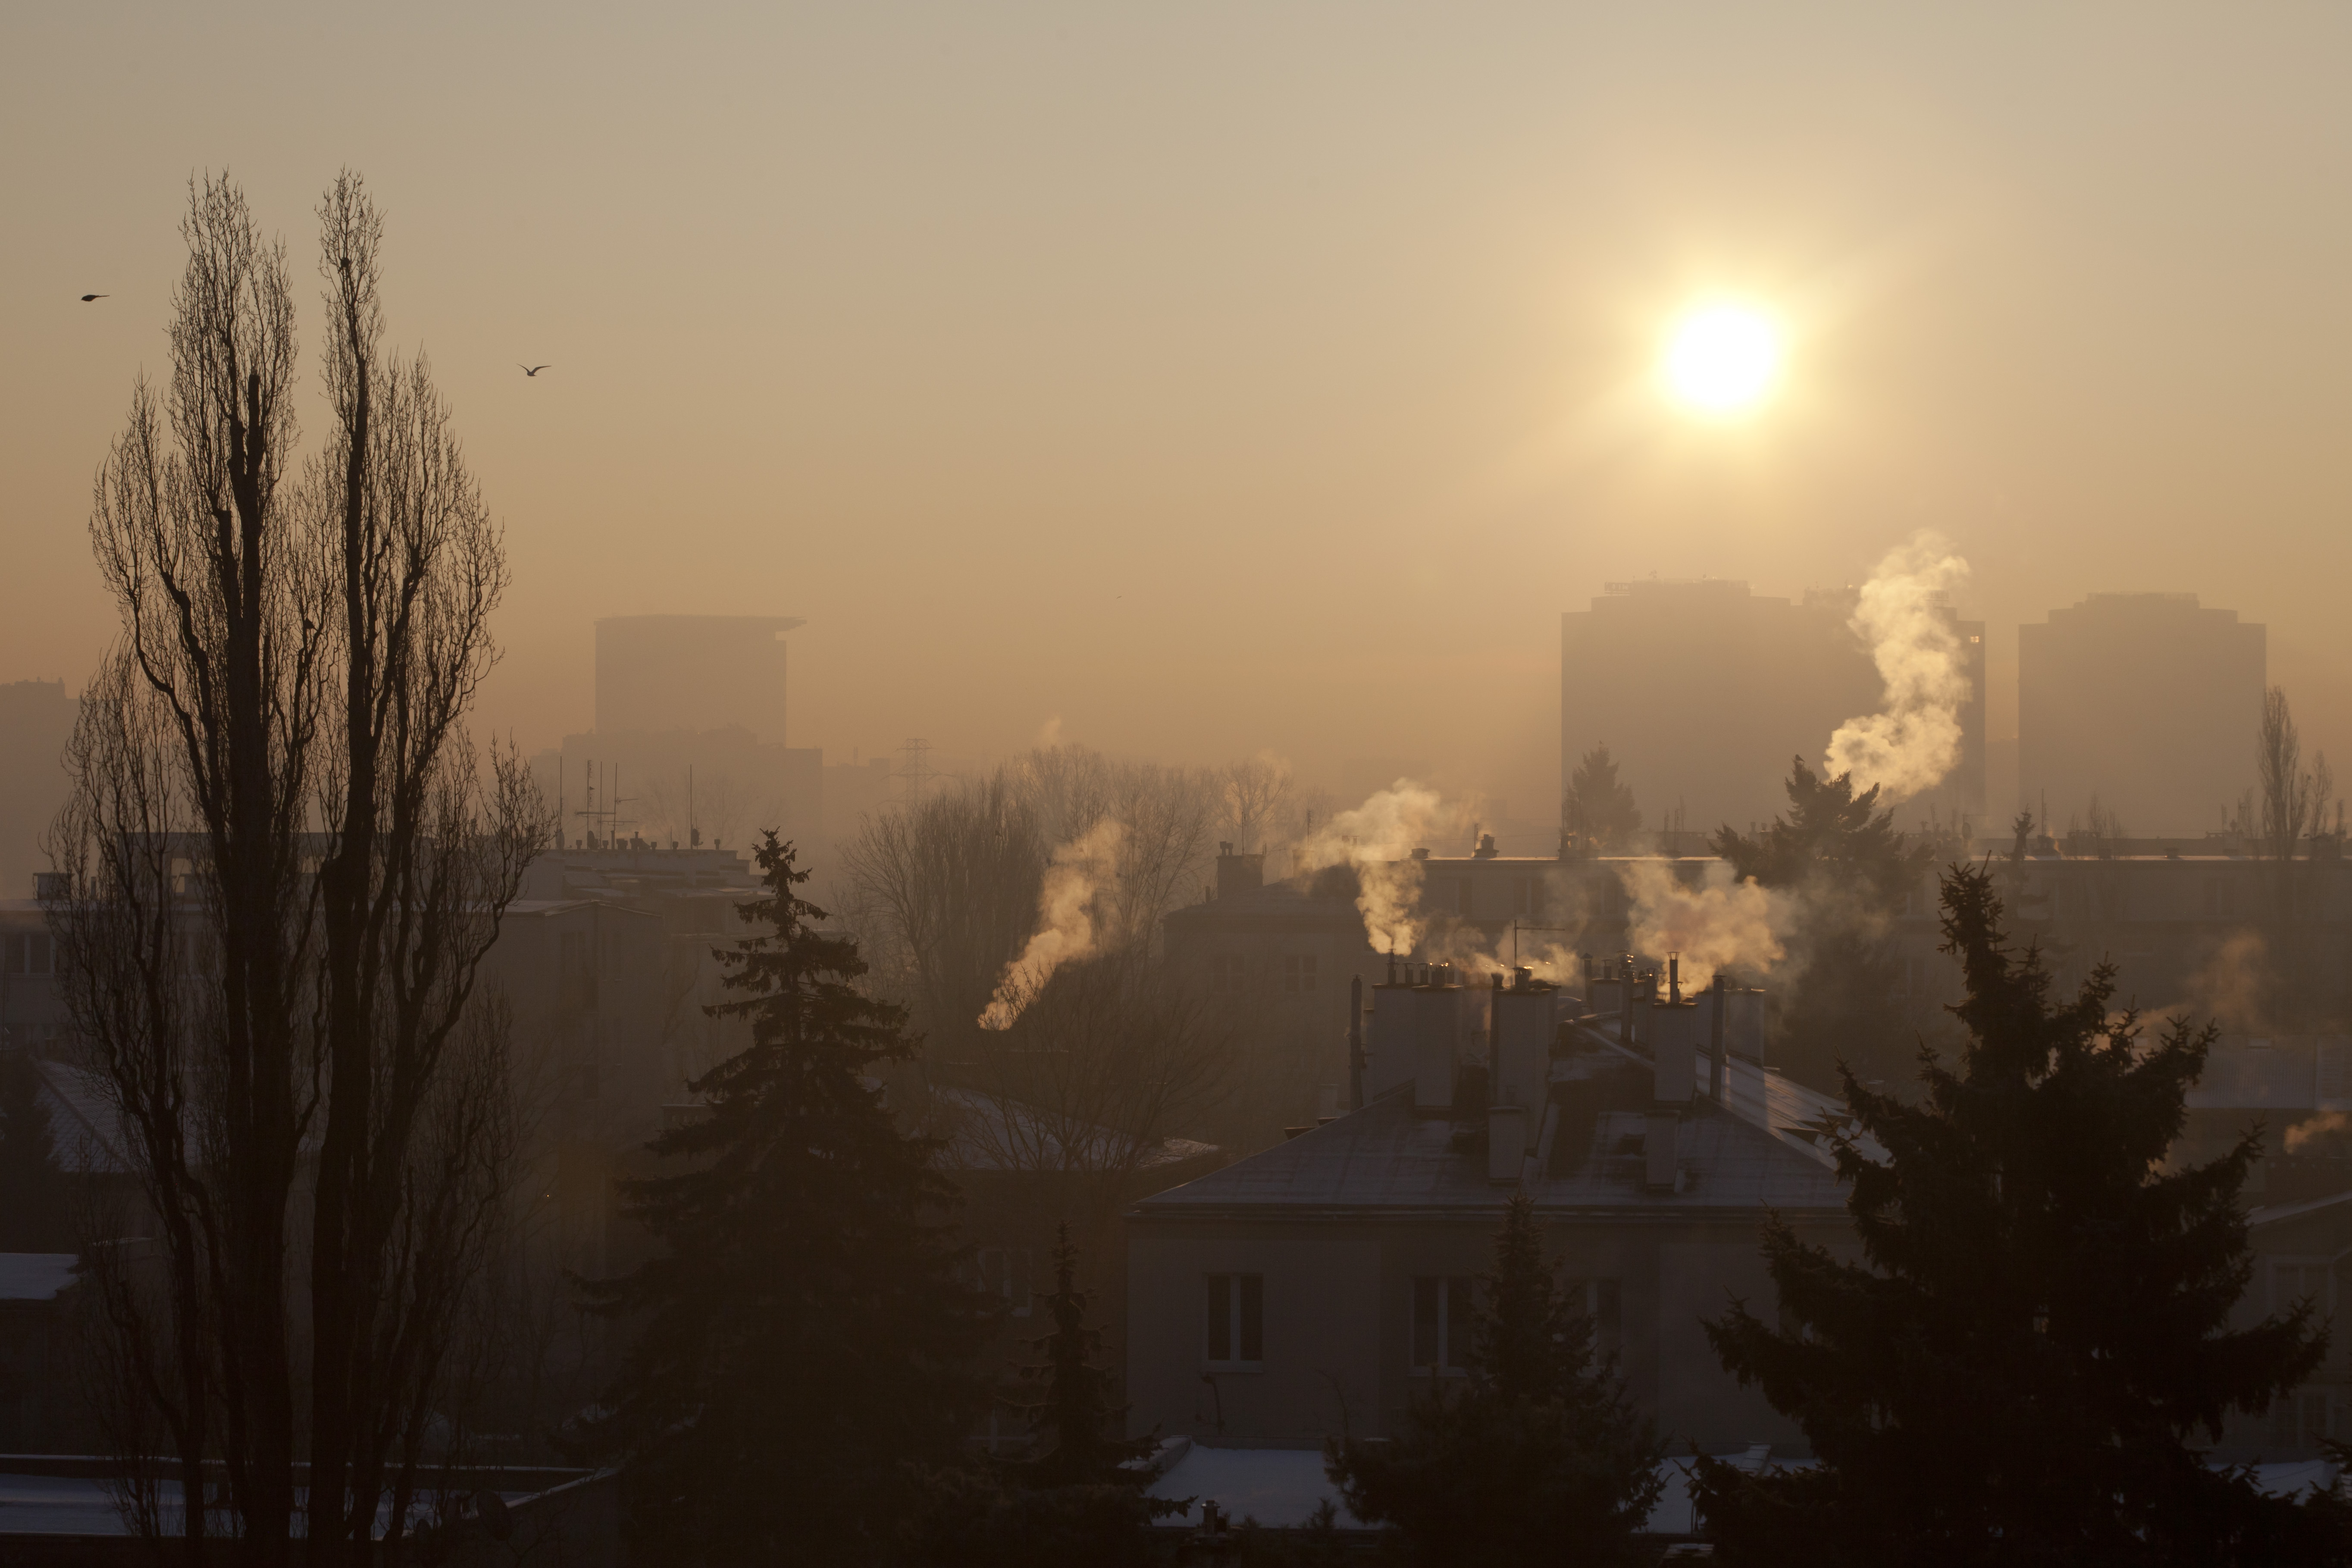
285	863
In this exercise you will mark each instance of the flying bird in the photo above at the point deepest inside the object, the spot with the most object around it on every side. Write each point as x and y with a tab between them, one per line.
531	369
85	299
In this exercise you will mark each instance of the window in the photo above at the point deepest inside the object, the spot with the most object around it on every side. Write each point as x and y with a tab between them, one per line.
1236	1323
26	953
1527	897
2294	1279
1226	972
1298	971
1441	1325
1600	1301
2301	1417
1462	896
1005	1271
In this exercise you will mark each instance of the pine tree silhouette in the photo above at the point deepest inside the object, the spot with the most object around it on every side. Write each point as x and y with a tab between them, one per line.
2019	1369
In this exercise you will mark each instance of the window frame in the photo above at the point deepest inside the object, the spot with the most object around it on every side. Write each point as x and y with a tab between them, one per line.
1455	1303
1234	1302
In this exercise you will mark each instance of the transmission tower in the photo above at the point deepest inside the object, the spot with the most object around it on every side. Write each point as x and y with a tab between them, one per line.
915	773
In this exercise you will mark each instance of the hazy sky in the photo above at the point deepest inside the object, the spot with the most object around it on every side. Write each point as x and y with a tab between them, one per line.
1225	377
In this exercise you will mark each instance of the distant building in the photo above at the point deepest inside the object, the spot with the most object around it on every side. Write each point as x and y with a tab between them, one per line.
37	720
2147	701
1703	691
689	744
659	673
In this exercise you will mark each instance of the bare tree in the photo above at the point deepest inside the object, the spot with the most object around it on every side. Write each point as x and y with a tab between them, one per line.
285	863
1256	791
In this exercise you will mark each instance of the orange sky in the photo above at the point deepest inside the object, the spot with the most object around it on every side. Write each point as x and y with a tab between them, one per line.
1225	377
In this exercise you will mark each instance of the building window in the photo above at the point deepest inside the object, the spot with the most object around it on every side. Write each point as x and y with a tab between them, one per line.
1462	897
1298	971
2302	1417
1236	1317
26	953
2299	1280
1441	1325
1226	972
1005	1271
1600	1300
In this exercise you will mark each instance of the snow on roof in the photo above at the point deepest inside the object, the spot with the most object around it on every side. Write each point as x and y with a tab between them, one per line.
1277	1487
35	1275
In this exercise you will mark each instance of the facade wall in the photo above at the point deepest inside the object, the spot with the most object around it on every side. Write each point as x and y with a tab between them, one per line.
1339	1304
2149	701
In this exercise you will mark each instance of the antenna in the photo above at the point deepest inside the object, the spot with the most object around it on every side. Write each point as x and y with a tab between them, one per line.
693	833
915	773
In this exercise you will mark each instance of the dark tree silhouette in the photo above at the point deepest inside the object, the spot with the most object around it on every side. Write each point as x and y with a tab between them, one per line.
33	1215
806	1344
1849	870
2018	1371
1540	1459
1598	809
283	864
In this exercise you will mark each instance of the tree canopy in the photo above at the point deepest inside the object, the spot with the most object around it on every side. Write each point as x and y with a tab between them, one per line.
1598	805
807	1345
2021	1366
1539	1459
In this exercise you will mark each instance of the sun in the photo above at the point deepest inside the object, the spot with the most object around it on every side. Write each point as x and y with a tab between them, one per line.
1722	360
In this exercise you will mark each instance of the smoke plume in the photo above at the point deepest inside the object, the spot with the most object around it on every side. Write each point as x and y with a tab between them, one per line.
1723	922
1915	740
2313	1129
1377	838
1081	870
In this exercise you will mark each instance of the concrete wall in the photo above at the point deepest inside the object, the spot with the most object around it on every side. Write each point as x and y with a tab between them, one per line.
1338	1317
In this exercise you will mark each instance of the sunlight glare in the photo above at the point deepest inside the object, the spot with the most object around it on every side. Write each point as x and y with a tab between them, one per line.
1722	360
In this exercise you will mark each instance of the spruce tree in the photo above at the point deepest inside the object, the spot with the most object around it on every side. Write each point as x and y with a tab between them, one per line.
1074	1420
2021	1367
32	1190
1079	1498
1539	1459
806	1343
1598	805
1849	869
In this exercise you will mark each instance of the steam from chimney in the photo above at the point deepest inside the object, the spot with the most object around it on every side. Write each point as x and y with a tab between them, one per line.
1721	923
1915	741
1377	838
1081	869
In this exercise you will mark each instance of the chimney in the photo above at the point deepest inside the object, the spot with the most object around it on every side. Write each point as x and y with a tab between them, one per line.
1719	1067
1391	1056
1662	1152
1238	874
1435	1012
1506	1141
1523	1034
1676	1032
1356	1043
1675	978
1743	1023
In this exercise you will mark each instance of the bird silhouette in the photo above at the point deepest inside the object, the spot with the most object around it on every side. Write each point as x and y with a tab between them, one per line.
85	299
531	369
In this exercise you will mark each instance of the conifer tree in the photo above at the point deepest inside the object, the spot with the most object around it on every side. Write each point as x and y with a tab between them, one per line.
1540	1459
2021	1368
1081	1496
805	1342
1598	808
1849	869
32	1192
1073	1420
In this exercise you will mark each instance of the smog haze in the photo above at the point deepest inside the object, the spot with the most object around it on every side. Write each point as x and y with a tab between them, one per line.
1217	379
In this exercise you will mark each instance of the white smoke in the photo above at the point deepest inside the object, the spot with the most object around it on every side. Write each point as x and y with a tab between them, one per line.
1912	743
1081	869
1723	922
1377	838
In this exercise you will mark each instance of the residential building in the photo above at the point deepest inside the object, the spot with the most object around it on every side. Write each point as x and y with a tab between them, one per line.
2145	704
1703	691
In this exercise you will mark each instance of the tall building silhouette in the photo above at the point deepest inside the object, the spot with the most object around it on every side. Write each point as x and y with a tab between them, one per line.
1703	691
2147	702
